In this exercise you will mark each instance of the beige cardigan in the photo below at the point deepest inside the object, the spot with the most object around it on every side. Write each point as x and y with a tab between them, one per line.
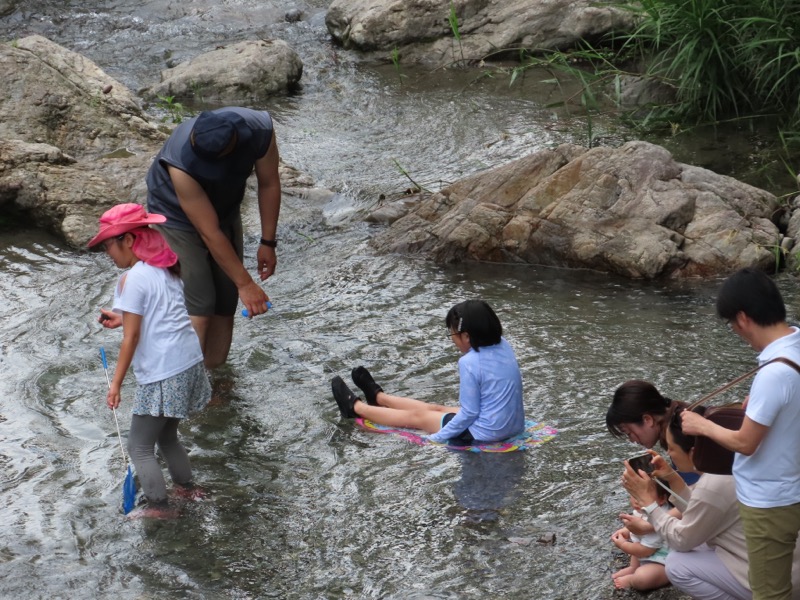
712	517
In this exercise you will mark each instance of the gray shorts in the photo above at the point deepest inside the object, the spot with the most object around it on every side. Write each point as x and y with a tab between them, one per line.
208	290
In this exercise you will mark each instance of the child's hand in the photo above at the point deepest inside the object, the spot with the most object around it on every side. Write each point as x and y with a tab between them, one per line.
636	525
619	538
113	397
623	532
109	319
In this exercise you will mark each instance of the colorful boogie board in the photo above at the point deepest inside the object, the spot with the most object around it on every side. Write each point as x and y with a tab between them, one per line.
534	434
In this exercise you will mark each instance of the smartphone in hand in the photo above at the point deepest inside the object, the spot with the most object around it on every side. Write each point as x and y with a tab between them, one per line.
642	462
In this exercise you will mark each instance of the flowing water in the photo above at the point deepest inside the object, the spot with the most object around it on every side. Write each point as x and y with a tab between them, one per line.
303	504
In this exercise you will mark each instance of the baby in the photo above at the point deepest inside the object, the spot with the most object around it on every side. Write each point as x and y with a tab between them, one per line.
648	552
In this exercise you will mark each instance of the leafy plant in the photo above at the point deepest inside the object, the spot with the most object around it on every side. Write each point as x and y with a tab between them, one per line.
175	111
197	90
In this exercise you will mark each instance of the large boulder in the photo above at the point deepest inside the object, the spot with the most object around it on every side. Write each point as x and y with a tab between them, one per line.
62	195
631	210
54	96
249	71
74	142
421	31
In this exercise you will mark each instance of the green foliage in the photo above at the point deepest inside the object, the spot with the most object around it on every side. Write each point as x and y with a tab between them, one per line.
417	187
175	111
452	18
594	82
725	58
197	90
396	63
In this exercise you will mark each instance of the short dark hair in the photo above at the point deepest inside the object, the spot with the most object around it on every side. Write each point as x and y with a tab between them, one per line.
661	493
632	401
754	293
476	318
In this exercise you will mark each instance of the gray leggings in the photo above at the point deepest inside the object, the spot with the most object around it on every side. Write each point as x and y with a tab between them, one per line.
145	432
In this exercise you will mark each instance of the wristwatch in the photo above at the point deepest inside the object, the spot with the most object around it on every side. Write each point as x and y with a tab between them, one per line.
650	508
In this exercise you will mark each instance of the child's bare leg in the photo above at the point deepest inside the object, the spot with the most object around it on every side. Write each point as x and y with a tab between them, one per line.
632	566
649	576
622	572
401	403
427	420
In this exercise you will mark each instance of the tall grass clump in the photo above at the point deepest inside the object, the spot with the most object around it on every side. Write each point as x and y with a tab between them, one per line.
452	19
725	58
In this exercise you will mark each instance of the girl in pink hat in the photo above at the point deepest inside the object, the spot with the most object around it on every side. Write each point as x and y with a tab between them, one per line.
160	342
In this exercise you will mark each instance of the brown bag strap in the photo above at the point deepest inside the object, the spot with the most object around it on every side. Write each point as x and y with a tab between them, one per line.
741	378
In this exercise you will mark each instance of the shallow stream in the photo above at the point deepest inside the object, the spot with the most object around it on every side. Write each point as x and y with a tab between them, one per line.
303	504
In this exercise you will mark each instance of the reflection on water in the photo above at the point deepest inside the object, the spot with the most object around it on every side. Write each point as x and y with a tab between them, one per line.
488	483
303	504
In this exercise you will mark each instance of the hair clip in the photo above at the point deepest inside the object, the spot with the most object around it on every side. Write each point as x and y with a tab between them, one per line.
460	323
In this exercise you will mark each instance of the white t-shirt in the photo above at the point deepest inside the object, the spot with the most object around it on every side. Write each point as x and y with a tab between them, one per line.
770	477
651	540
168	344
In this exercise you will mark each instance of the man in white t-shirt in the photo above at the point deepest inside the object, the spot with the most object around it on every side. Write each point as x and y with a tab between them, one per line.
767	464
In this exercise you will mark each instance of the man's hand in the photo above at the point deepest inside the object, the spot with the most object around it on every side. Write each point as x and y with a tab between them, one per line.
267	261
254	299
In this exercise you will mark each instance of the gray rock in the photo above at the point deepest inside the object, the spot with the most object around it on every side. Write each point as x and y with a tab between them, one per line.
293	15
7	7
422	32
247	72
55	97
74	142
632	210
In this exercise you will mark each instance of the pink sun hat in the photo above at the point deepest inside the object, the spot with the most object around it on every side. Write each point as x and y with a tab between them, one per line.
149	245
122	218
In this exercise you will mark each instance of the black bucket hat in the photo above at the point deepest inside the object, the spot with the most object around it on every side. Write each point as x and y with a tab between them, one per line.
216	141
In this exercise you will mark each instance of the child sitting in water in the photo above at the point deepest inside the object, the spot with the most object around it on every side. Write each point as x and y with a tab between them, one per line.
490	395
648	553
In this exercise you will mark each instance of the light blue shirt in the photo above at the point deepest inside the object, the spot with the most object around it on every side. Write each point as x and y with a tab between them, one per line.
490	396
770	477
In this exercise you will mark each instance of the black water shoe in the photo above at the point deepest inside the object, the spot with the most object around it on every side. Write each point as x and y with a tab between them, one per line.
365	382
344	397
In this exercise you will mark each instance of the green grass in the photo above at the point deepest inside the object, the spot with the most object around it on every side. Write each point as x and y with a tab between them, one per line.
396	62
452	19
733	62
725	58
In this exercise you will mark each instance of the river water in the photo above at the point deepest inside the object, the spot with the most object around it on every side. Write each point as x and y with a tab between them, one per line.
303	504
